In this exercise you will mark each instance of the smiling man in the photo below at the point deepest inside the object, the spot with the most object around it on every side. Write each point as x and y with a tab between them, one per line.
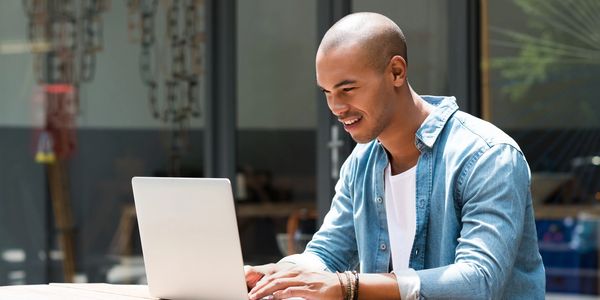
432	202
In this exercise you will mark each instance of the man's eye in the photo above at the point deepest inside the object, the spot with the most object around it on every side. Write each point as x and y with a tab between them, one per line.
347	89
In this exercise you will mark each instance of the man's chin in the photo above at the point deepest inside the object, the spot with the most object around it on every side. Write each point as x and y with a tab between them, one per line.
361	139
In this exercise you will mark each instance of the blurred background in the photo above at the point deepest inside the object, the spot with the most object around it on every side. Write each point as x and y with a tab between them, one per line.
94	92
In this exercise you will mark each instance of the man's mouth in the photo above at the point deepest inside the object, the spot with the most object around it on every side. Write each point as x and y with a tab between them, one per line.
350	122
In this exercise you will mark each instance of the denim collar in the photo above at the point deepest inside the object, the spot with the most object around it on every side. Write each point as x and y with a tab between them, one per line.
429	131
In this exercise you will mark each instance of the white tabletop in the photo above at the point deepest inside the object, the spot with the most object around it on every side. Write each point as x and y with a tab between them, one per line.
78	291
67	291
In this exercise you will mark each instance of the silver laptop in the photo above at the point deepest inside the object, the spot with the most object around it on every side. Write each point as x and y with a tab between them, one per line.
189	237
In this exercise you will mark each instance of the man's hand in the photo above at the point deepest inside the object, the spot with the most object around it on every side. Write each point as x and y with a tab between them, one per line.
286	280
256	273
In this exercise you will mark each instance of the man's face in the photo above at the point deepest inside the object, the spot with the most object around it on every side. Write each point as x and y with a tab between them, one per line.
357	93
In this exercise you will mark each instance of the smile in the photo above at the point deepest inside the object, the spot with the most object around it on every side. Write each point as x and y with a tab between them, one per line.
351	121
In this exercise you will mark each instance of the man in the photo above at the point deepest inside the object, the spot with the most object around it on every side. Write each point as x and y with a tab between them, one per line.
432	202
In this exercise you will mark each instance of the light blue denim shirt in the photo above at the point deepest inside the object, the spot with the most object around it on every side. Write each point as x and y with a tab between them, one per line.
475	236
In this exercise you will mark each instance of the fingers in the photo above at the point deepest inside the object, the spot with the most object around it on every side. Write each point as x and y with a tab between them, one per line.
252	276
264	269
252	279
255	273
271	284
292	291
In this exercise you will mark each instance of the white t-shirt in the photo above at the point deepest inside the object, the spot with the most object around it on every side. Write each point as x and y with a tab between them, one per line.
400	204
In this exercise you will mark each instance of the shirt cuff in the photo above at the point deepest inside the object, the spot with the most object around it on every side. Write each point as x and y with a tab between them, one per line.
409	284
306	259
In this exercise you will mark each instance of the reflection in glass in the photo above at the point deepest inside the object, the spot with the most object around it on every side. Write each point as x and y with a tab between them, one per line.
276	122
73	97
544	65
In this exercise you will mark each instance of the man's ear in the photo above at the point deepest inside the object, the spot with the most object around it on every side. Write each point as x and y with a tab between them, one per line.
398	70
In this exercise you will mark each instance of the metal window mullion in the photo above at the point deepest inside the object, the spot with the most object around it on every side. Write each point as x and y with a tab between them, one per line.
220	105
328	12
463	58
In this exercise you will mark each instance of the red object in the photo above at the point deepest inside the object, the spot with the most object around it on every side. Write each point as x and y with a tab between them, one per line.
59	104
59	88
60	123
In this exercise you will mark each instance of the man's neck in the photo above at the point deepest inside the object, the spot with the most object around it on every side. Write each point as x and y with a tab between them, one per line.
399	140
403	158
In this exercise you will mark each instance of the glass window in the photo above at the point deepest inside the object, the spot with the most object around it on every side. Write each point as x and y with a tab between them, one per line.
276	122
87	104
424	24
541	64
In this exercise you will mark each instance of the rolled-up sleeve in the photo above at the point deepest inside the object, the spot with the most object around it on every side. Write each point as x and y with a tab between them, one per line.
409	284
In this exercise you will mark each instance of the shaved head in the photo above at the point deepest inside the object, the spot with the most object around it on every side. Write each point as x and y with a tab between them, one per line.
378	36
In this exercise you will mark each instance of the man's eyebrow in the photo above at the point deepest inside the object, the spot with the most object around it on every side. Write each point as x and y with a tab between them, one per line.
341	83
344	82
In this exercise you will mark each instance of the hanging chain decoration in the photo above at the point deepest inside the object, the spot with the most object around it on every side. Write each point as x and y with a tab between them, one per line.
175	68
148	69
71	32
65	36
186	61
182	64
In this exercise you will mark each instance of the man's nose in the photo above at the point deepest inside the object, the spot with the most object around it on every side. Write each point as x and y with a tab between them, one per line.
337	107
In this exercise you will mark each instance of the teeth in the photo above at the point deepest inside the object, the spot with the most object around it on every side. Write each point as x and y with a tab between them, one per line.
350	122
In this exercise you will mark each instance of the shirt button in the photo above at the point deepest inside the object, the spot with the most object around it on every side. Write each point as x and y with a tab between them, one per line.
379	200
382	247
416	251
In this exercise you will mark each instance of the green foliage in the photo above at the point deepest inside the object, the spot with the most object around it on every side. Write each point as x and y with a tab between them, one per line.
559	34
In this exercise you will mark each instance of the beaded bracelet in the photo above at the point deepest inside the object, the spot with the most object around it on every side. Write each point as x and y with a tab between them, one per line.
355	285
350	285
344	295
